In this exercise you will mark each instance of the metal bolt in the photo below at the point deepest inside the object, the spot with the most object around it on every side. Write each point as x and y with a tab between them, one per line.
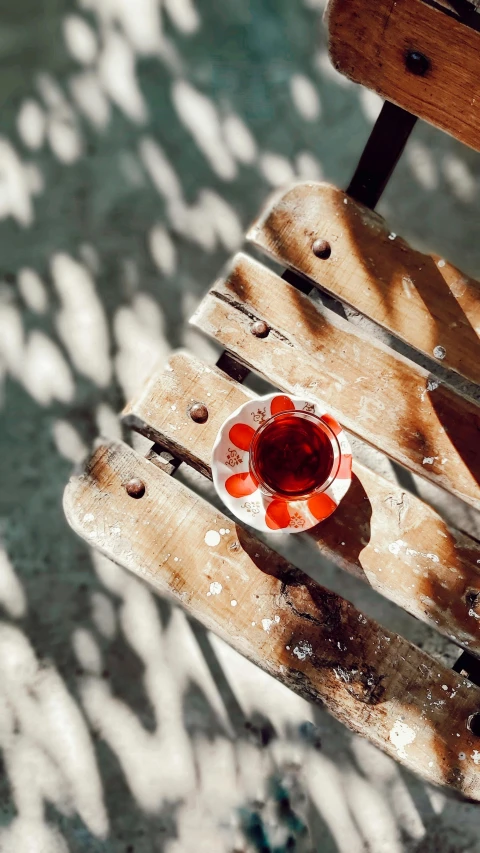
322	249
260	329
473	724
472	598
198	413
417	63
135	488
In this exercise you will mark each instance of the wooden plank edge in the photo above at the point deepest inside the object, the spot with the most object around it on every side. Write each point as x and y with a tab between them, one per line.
435	432
381	534
410	290
309	638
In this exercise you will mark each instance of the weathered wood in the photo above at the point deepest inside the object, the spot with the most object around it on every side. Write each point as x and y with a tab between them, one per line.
422	299
369	41
312	640
375	393
381	534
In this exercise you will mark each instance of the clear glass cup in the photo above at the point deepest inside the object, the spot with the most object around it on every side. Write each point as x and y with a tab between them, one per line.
294	455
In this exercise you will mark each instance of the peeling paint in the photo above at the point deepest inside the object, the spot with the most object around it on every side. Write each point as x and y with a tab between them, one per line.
401	736
212	538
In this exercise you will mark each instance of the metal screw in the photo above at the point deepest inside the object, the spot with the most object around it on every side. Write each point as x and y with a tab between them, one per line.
260	329
322	249
473	724
417	63
472	598
135	488
198	413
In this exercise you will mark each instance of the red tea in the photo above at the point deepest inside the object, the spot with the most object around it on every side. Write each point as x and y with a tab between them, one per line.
293	454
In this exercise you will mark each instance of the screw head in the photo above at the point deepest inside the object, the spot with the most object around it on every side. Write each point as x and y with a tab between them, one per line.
473	724
198	413
260	329
417	63
322	249
135	488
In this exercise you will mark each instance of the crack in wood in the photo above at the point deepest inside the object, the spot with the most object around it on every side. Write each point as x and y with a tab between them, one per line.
239	306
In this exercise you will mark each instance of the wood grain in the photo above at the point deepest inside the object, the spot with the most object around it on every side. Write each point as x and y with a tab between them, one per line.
369	40
380	396
381	534
422	299
312	640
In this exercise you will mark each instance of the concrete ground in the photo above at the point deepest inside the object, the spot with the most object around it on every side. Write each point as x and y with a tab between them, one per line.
137	141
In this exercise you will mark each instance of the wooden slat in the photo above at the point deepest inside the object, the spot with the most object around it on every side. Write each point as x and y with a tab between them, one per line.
381	534
422	299
375	393
312	640
370	39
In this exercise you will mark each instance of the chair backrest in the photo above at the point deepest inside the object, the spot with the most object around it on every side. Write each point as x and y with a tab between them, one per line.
416	54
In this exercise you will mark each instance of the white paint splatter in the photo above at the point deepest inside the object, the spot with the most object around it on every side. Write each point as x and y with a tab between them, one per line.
444	687
303	650
392	236
440	352
89	516
212	538
461	756
475	756
441	263
222	531
233	603
429	460
267	623
401	736
395	547
215	588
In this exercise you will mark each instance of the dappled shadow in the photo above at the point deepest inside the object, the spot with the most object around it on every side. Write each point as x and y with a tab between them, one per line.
137	143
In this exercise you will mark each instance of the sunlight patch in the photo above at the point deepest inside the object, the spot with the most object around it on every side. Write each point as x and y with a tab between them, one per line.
183	15
80	39
422	163
87	651
198	114
305	97
81	321
31	124
91	99
12	596
117	72
15	192
162	249
239	139
276	169
461	180
68	441
32	290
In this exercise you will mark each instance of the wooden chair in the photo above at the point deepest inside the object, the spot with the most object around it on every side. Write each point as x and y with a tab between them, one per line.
135	512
